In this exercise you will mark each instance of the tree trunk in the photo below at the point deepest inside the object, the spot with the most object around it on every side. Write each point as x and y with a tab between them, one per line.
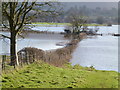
17	62
14	59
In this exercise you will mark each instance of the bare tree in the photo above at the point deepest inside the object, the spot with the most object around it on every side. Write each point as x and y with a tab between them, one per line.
76	23
17	15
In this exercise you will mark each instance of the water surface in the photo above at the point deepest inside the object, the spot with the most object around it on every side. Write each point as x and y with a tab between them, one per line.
98	51
41	41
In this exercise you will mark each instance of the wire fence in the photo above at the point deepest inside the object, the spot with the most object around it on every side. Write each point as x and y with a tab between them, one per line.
24	56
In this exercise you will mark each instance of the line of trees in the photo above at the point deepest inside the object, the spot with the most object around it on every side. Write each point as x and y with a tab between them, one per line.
97	15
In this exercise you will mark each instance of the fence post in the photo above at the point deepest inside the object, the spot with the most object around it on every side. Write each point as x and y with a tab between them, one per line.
3	61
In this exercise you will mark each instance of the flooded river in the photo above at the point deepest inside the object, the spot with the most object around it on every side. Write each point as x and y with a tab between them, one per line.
41	41
100	52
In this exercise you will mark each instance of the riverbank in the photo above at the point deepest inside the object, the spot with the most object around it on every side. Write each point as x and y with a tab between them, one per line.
42	75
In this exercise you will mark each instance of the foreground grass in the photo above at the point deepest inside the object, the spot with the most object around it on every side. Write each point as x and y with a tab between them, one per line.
41	75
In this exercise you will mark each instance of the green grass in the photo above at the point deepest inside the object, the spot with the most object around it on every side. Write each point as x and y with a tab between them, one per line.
45	23
41	75
96	25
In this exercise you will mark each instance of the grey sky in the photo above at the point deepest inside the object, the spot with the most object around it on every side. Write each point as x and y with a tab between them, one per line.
65	0
89	0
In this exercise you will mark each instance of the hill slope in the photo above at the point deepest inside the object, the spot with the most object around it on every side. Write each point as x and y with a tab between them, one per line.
41	75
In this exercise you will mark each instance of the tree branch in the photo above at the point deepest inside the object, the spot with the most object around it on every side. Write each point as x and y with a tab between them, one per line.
5	26
24	15
4	36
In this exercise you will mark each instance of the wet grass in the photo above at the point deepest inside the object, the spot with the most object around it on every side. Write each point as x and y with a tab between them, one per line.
44	23
42	75
64	24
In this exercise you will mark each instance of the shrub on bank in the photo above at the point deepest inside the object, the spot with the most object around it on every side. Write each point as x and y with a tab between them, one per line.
57	57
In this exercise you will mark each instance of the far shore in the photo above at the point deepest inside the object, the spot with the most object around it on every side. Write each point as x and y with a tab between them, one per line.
44	24
64	24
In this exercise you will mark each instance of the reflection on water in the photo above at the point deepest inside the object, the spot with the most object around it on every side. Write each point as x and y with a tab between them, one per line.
98	51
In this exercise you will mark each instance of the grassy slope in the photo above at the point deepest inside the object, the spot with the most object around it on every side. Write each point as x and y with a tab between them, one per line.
41	75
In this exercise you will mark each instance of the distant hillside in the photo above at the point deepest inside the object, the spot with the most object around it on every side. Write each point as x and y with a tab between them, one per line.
91	5
97	12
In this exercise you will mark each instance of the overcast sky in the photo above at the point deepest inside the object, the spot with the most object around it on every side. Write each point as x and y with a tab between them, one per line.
89	0
64	0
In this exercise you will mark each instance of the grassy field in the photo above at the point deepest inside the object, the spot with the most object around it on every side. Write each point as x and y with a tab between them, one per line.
44	23
42	75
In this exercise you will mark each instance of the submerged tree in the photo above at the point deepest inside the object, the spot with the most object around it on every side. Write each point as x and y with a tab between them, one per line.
77	23
17	15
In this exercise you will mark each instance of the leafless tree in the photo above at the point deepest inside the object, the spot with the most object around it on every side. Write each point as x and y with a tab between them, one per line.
18	17
76	23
